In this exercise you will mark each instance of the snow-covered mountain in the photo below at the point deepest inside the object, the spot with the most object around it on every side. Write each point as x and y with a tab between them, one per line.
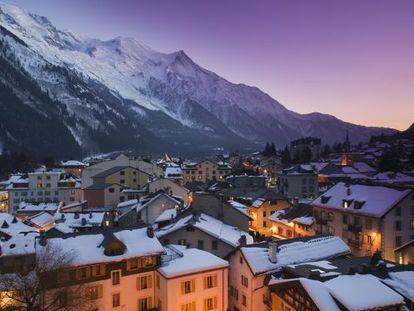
58	88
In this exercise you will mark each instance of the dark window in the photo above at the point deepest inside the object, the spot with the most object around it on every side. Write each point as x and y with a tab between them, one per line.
116	300
214	245
368	223
111	190
398	211
345	219
398	225
264	213
200	244
122	173
122	181
398	241
116	275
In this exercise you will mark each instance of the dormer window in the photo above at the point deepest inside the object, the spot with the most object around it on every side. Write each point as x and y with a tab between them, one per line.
346	203
325	199
358	204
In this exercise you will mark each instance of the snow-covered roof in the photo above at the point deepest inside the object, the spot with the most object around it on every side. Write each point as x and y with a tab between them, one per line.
210	225
308	221
363	167
373	200
180	260
294	252
394	177
402	282
19	244
173	172
319	294
362	292
41	220
12	225
68	222
72	163
88	248
239	206
34	207
166	215
127	203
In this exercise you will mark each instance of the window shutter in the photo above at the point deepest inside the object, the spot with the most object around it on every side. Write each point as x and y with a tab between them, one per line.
88	272
215	302
182	289
138	283
149	302
149	281
205	304
193	286
215	280
193	306
128	265
205	282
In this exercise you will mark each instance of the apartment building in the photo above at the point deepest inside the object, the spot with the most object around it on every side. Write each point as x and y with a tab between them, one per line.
367	217
44	186
170	187
295	221
299	181
120	160
191	279
358	283
205	171
127	176
128	269
262	208
253	265
117	267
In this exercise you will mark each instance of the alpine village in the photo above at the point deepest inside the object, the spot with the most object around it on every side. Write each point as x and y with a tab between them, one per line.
142	219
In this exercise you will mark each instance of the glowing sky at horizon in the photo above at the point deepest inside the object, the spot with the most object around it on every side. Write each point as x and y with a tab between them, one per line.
353	59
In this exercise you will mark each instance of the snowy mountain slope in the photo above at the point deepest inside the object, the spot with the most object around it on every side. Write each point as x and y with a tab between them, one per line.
125	89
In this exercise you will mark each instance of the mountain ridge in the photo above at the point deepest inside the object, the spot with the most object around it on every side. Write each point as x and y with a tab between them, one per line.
123	87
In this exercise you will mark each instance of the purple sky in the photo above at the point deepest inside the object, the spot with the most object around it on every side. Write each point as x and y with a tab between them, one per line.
353	59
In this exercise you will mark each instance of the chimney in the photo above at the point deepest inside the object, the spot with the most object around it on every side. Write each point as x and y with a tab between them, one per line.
243	240
42	240
295	201
273	251
76	215
150	231
83	221
90	215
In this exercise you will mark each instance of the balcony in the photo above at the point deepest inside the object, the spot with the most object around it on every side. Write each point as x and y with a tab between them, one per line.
354	228
354	242
321	221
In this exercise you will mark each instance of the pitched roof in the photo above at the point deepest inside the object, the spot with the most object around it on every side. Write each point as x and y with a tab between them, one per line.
372	200
115	169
